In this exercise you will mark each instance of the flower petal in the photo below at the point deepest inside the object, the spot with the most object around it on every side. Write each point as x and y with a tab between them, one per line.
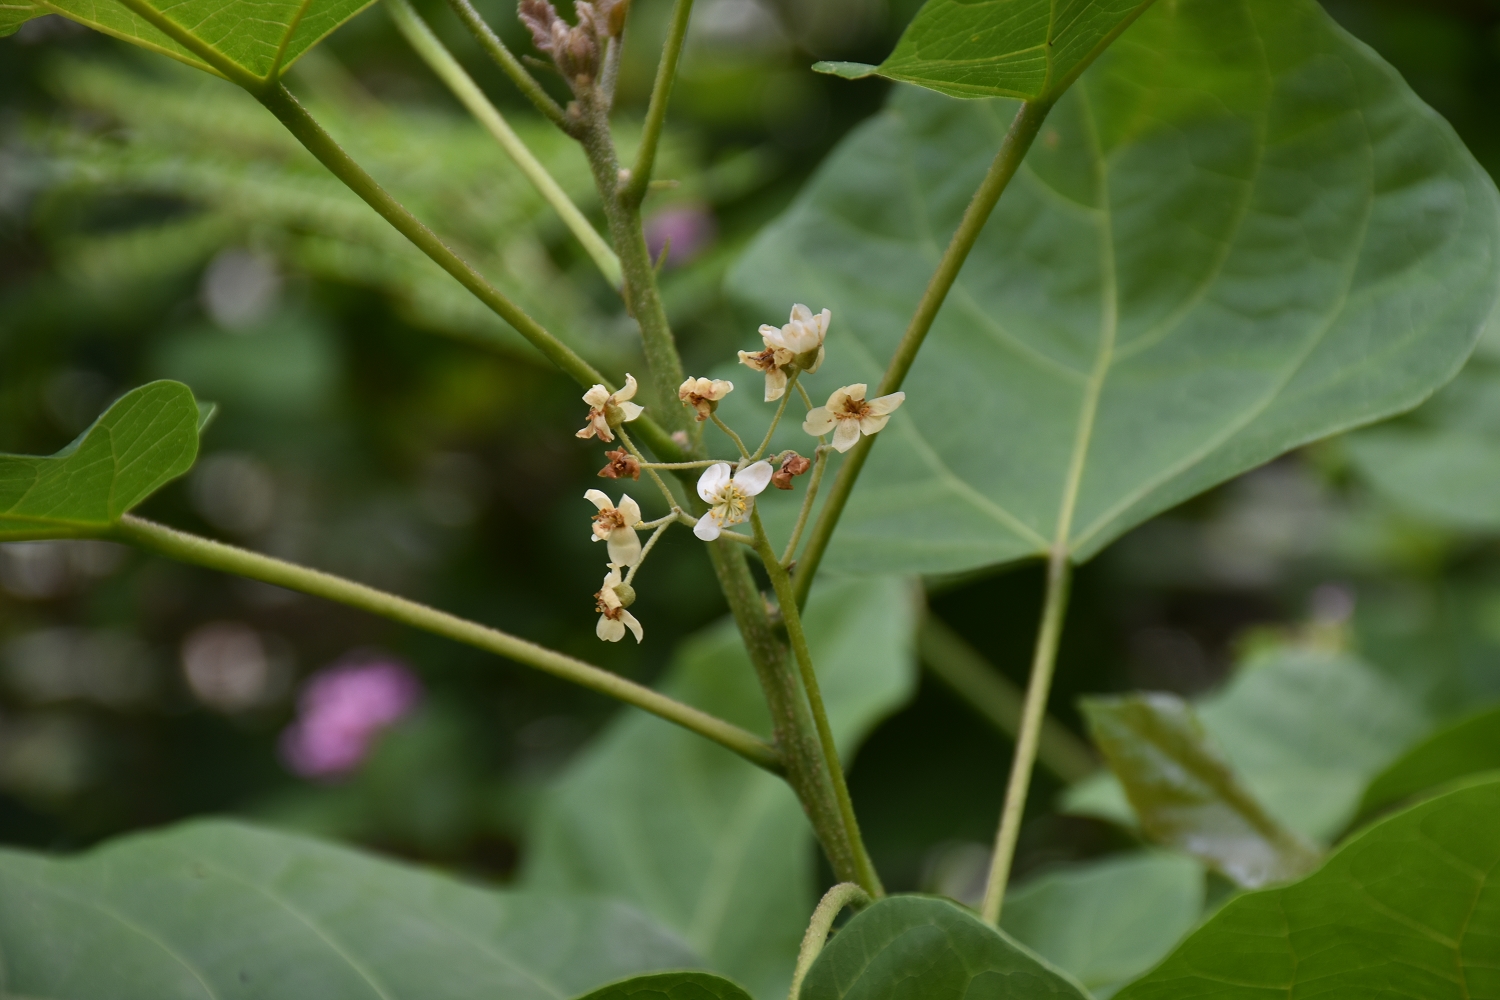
818	361
630	509
629	411
823	319
721	387
819	421
712	481
596	397
609	630
634	626
707	528
882	405
873	424
624	547
846	436
755	478
775	384
627	391
751	359
599	499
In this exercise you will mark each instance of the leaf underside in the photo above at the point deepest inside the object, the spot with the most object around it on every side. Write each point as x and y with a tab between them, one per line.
1409	908
13	15
1238	232
146	439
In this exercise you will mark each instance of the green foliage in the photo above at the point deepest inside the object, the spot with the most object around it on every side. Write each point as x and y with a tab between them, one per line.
707	844
934	946
1028	49
1107	921
1410	907
146	439
1239	232
1466	747
223	909
671	986
1185	794
257	38
13	15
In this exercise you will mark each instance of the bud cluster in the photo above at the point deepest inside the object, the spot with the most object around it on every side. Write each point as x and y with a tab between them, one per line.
576	49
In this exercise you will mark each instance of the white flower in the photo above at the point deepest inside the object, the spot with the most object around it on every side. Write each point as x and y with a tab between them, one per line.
798	343
613	618
601	400
848	414
704	394
616	526
730	496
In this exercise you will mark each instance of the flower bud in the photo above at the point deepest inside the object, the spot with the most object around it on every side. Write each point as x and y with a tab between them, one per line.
626	593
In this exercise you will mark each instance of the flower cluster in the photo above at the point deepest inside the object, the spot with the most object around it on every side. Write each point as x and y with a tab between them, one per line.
727	488
576	50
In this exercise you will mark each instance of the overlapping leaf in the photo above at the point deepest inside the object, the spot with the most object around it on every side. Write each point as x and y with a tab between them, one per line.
670	986
146	439
1466	747
220	909
1239	231
918	946
711	846
1409	908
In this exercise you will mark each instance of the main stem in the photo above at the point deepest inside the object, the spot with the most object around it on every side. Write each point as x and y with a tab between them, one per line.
1023	130
791	617
1033	715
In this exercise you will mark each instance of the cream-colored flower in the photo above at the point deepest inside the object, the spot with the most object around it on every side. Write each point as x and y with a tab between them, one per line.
772	361
611	601
848	414
799	344
729	495
704	394
616	526
601	401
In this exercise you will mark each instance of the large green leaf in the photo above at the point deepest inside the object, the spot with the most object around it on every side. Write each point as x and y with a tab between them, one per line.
13	15
1238	232
918	946
255	36
1466	747
146	439
670	986
709	845
1185	794
1029	49
220	909
1106	922
1409	908
1442	464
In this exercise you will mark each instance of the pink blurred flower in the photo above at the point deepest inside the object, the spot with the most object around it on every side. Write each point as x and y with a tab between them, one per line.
689	228
340	712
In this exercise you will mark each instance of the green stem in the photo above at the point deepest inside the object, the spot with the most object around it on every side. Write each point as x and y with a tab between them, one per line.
765	443
656	113
868	878
1044	661
1023	130
441	61
227	558
796	739
820	462
511	66
993	696
834	900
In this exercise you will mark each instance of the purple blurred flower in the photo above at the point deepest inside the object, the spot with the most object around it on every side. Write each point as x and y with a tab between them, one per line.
689	228
340	712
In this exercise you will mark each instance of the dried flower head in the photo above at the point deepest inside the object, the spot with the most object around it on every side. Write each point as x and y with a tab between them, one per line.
848	414
616	525
792	464
611	601
730	495
622	465
703	394
610	408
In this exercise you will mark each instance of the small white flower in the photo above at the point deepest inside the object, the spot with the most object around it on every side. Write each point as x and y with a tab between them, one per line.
613	618
704	394
601	400
800	342
848	414
616	526
771	361
730	495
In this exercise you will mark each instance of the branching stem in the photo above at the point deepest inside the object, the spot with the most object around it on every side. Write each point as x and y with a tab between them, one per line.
511	66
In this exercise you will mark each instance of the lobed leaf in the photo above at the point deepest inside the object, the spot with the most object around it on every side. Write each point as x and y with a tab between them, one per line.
919	946
1185	794
1408	908
1238	232
144	440
224	909
1028	49
1463	748
670	986
711	846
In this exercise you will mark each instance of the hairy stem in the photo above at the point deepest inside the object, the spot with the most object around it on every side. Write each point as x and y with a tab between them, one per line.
1023	130
656	113
820	462
990	693
834	900
447	68
510	65
1043	662
867	877
765	442
796	738
227	558
721	425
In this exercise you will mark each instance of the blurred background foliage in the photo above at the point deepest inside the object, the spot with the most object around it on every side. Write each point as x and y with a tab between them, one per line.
376	422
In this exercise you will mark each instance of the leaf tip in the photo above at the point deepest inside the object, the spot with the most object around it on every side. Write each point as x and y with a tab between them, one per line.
847	70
